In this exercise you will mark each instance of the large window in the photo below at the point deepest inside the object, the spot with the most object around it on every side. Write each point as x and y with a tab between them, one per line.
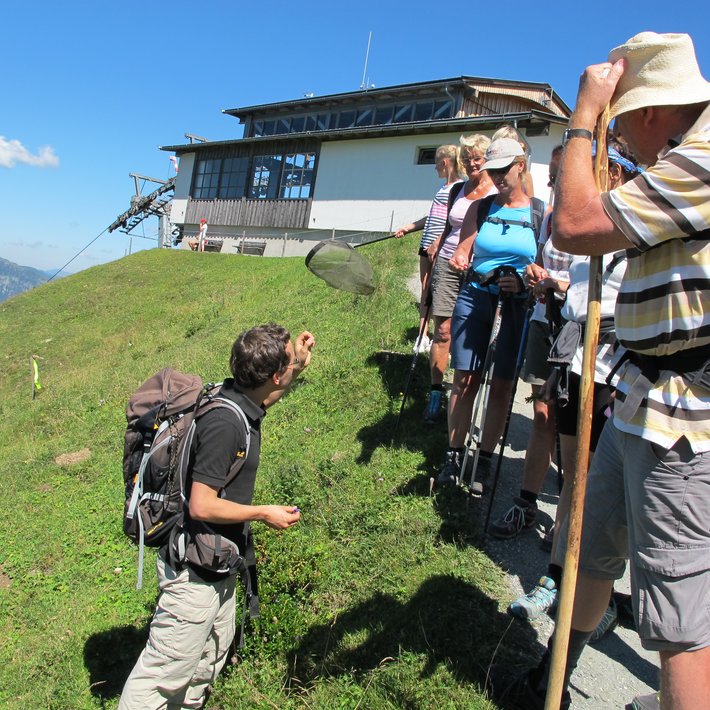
297	177
265	176
206	179
379	115
233	177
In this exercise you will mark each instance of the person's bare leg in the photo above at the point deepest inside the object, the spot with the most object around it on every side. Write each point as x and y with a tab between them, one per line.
591	600
494	417
424	277
463	394
439	354
685	679
541	444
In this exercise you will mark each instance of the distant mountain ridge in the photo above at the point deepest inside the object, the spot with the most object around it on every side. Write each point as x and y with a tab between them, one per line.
15	279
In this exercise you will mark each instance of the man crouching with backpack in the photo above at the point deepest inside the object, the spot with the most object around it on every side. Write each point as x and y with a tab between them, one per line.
194	622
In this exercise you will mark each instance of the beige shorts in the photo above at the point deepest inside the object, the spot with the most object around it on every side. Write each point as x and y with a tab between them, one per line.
445	286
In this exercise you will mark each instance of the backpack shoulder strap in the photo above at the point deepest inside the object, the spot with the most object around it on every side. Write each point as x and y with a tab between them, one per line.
454	192
537	213
484	207
239	461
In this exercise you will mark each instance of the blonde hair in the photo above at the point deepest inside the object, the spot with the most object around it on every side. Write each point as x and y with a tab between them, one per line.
469	144
451	152
508	131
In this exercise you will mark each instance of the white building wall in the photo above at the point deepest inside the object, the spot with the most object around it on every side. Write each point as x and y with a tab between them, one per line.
182	188
376	185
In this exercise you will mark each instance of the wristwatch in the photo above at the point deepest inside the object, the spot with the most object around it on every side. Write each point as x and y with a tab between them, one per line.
576	133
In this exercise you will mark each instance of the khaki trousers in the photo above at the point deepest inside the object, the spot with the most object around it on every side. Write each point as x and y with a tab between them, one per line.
190	636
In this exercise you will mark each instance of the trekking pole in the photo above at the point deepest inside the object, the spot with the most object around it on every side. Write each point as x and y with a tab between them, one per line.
504	439
579	482
475	431
552	315
484	390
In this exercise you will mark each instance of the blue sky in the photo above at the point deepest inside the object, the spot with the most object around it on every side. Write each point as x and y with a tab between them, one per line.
91	89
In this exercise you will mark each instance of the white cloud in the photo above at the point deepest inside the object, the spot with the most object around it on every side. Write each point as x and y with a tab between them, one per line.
13	152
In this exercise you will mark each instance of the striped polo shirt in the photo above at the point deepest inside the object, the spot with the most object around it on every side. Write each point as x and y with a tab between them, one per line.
663	306
436	219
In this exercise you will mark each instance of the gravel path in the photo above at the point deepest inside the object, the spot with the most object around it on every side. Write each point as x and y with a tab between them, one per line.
611	673
616	669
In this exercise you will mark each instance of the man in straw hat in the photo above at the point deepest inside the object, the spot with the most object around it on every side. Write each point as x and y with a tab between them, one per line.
648	492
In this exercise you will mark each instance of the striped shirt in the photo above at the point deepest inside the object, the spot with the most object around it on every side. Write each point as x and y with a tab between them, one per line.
664	301
436	219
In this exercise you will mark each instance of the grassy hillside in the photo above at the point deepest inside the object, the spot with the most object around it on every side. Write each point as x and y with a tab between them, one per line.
378	599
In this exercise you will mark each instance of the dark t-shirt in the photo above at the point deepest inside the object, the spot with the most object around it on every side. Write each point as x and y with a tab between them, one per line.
220	437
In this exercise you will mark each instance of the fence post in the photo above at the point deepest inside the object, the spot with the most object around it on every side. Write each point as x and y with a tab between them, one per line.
283	248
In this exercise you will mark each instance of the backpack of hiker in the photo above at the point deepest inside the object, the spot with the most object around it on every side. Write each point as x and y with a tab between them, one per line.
537	214
161	417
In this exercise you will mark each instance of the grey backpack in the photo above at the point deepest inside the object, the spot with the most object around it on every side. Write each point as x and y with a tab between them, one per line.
161	417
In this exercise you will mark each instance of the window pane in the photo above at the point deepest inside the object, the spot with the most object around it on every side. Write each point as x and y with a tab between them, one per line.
423	111
310	123
402	113
383	115
265	176
206	179
234	176
323	121
258	129
426	156
365	116
269	128
297	176
298	124
282	125
346	119
442	109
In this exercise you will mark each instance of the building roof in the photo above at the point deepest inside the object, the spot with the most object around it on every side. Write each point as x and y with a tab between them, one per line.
308	103
524	119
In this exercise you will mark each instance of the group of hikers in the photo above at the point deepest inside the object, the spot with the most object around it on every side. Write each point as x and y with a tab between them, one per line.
489	248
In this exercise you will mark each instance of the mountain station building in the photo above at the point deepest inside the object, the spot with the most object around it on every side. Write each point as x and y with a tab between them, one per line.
348	166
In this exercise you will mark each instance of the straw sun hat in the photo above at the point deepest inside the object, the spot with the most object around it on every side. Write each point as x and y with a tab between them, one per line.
661	70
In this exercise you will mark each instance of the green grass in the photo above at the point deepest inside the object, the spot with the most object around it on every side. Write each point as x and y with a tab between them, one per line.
379	598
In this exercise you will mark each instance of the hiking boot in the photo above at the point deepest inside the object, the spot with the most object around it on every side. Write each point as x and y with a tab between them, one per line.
546	542
536	602
451	468
523	694
607	624
435	406
645	702
520	516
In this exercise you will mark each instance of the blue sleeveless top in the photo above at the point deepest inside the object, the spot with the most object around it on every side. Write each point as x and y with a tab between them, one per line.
504	244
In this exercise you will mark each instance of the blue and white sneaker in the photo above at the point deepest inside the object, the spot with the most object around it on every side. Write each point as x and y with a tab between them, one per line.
536	602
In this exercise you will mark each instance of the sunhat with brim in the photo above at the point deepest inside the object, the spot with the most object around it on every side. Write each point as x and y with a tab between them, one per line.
661	70
502	153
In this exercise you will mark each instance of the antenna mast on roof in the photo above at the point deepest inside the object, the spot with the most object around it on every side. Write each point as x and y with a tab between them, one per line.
363	85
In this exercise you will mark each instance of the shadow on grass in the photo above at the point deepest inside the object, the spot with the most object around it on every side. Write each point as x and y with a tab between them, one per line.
447	622
412	433
109	656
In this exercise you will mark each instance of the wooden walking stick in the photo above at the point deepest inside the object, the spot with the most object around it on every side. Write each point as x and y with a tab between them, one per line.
584	430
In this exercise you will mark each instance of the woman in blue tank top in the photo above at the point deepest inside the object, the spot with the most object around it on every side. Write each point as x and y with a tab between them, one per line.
505	241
